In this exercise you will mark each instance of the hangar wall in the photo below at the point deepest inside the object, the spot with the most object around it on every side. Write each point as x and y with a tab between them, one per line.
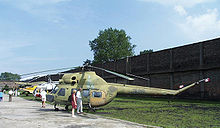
173	67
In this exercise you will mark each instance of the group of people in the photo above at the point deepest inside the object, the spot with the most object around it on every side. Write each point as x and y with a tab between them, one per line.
10	93
77	102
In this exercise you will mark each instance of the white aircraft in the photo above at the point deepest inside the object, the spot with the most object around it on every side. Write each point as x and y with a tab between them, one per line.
47	86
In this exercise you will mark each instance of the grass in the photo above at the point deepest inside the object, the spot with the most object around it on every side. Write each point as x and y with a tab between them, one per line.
29	97
160	112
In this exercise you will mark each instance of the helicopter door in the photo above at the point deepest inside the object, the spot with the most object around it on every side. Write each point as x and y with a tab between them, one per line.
61	95
86	96
97	97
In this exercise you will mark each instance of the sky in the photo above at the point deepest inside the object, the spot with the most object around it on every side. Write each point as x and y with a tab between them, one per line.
38	35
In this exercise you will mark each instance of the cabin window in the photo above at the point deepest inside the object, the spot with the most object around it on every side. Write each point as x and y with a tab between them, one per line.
61	92
85	93
97	94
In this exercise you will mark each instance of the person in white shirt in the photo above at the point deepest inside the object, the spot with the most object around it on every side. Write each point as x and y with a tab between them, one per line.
79	101
10	95
43	97
16	92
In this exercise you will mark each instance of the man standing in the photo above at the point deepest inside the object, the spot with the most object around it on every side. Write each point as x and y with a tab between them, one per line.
79	101
10	95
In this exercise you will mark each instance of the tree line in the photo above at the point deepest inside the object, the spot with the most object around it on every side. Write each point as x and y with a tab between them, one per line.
8	76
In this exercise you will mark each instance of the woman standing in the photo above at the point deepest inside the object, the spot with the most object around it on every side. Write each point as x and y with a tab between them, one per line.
43	97
74	105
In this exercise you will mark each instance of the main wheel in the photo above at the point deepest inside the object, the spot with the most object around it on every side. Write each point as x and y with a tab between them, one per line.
66	107
55	107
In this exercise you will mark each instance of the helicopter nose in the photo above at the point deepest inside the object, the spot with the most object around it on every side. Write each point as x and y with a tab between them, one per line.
50	98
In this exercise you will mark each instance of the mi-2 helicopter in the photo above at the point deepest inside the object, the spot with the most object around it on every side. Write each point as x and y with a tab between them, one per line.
97	92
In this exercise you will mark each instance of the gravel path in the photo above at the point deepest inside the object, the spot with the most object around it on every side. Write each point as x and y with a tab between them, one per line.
21	113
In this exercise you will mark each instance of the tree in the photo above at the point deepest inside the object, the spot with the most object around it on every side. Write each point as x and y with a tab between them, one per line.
110	45
146	51
9	76
5	87
87	61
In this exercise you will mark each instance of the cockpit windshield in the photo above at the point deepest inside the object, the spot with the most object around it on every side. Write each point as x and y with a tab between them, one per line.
55	90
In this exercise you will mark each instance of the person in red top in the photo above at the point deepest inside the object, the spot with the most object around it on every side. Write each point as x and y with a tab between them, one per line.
74	105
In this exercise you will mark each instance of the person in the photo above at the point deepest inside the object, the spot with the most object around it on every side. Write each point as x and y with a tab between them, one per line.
73	101
1	95
10	95
79	101
16	92
43	97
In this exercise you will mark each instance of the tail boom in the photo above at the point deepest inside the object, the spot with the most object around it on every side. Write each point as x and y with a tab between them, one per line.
132	89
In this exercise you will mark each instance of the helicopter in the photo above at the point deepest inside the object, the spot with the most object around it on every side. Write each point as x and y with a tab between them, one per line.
47	86
97	92
28	87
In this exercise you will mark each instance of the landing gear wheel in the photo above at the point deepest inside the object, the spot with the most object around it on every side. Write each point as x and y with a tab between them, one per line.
55	107
91	108
66	107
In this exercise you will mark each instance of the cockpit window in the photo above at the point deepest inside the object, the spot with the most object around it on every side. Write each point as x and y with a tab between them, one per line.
85	93
54	90
61	92
97	94
35	90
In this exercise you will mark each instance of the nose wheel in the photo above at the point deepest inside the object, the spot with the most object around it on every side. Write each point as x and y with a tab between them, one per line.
55	107
66	107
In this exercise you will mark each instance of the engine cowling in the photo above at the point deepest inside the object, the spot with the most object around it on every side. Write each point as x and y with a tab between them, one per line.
68	79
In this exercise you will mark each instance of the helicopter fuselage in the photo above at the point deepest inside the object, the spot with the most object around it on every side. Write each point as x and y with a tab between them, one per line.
95	91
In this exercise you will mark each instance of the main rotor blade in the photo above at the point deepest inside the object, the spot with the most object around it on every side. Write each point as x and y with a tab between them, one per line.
138	76
114	73
46	71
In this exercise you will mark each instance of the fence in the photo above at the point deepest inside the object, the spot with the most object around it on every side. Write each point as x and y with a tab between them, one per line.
173	67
